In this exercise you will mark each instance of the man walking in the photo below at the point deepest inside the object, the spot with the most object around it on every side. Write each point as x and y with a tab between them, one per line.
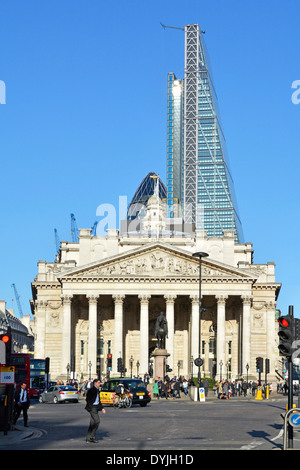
93	406
22	403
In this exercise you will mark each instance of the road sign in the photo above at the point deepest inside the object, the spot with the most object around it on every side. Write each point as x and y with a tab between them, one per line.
7	375
202	394
294	419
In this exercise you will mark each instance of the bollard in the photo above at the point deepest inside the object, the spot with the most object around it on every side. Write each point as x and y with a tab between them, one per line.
259	393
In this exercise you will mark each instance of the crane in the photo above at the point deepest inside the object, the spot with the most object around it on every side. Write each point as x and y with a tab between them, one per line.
18	299
74	229
176	27
94	228
57	241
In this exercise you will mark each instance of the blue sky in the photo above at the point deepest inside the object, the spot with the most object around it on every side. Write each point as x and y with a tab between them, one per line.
85	119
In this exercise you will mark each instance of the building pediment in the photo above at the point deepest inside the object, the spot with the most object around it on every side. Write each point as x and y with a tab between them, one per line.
155	260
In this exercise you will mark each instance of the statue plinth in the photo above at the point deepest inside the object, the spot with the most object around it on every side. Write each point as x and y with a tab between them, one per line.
159	363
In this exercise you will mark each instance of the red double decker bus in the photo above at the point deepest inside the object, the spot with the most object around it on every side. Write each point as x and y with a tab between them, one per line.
21	363
30	371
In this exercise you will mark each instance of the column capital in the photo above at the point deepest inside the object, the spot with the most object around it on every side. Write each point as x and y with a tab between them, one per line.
40	303
194	298
170	298
246	299
92	298
271	304
144	298
118	298
67	298
221	298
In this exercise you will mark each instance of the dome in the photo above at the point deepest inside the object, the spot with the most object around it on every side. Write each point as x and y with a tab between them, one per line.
143	193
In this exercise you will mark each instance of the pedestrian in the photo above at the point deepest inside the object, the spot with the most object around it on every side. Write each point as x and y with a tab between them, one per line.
22	403
155	389
244	387
93	406
177	389
225	391
164	390
185	387
206	385
220	389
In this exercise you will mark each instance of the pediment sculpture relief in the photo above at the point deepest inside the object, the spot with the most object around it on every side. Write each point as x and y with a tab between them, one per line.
156	263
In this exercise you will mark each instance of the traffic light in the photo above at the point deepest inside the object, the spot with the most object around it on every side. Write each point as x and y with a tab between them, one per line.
6	339
119	365
286	335
168	368
267	362
109	360
259	364
47	365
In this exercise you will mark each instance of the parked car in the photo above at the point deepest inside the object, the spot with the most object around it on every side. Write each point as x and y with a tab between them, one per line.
59	394
137	389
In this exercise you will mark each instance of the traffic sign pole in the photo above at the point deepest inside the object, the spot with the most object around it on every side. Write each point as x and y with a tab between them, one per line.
290	388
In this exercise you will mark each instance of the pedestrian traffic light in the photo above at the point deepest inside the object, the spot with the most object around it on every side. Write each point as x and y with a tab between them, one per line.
109	360
6	340
286	335
259	364
168	368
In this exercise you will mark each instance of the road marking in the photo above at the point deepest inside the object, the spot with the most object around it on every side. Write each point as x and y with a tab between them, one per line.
278	436
252	445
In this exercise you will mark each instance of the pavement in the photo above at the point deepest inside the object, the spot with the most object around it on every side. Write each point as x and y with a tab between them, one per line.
19	432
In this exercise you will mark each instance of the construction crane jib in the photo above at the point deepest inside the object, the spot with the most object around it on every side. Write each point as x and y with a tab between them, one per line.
176	27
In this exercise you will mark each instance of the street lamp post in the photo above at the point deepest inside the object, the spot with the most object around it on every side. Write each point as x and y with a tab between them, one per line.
198	360
131	364
68	371
247	369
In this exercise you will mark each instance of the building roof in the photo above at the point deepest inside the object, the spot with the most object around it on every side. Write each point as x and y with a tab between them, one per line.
143	193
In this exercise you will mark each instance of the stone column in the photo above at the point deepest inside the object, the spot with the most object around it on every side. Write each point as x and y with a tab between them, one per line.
92	334
40	328
246	335
170	300
66	333
271	336
195	328
118	338
221	353
144	333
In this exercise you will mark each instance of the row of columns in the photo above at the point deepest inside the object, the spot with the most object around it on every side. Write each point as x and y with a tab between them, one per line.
144	330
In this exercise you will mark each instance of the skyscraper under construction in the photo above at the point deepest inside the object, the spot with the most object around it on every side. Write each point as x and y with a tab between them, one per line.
199	181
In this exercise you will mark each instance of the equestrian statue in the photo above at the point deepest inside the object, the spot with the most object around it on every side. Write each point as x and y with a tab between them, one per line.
161	331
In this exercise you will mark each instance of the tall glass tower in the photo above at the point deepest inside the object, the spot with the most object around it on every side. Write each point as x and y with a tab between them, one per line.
198	172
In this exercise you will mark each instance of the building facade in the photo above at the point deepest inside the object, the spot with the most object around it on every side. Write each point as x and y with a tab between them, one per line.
103	295
22	335
199	178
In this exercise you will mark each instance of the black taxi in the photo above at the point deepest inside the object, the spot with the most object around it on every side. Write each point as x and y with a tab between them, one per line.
137	389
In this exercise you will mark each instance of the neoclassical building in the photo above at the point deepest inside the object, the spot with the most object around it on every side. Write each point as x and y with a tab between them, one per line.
103	295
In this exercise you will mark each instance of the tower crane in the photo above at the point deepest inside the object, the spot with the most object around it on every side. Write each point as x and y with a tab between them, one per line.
176	27
18	299
74	229
94	228
57	241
